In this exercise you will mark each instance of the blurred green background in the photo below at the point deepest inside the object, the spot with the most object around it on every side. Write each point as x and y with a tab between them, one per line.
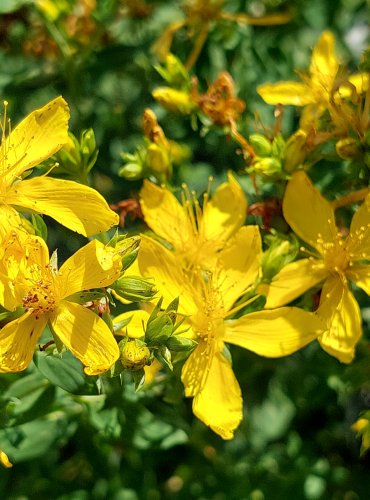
67	441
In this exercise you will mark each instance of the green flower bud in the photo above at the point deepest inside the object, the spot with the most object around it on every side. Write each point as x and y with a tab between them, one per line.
269	167
135	355
281	251
260	144
131	171
278	147
178	344
134	288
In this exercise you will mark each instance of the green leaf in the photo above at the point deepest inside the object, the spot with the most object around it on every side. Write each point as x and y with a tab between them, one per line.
38	222
64	371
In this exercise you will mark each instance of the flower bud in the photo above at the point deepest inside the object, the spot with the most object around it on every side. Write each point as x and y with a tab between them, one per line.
134	288
131	171
281	251
295	151
348	148
260	144
178	344
269	167
158	159
135	355
174	100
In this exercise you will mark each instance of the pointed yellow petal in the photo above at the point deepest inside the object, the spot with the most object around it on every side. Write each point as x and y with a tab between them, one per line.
308	213
18	340
77	207
239	264
217	402
93	266
156	261
360	274
86	335
324	62
358	241
41	134
339	309
293	280
274	333
165	215
137	325
294	93
224	214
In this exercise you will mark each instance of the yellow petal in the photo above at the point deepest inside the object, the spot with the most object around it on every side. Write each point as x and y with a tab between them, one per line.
309	215
294	93
137	325
41	134
165	215
360	81
224	214
156	261
310	116
360	274
274	333
239	264
9	218
358	241
18	340
293	280
217	402
93	266
74	205
340	311
4	459
324	62
86	335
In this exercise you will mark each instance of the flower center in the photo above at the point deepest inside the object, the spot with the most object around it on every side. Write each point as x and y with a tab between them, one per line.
40	299
335	256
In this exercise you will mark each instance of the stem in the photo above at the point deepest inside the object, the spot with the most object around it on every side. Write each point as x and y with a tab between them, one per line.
350	198
199	43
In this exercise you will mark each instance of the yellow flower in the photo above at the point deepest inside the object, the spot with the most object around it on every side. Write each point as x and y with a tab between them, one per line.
41	134
207	299
334	261
318	87
30	281
196	235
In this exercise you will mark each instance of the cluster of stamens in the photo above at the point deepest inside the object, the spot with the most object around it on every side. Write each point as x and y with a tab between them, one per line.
40	299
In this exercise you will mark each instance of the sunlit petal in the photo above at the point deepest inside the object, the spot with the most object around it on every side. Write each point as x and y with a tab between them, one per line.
239	264
358	241
18	340
225	212
93	266
360	274
41	134
293	280
339	309
274	333
74	205
308	213
165	215
156	261
209	378
86	335
294	93
324	62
